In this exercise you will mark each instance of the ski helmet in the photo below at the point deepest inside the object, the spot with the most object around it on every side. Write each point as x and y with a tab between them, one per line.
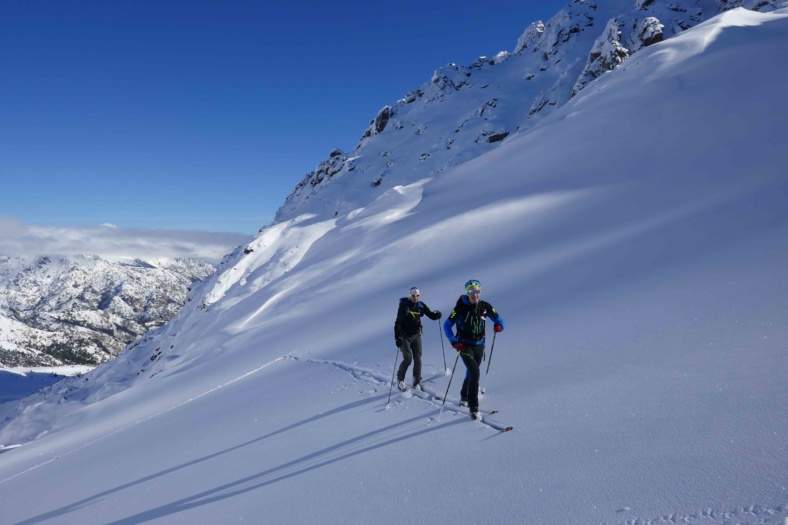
473	282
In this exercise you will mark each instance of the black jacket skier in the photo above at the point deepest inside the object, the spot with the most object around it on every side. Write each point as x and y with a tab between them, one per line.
407	335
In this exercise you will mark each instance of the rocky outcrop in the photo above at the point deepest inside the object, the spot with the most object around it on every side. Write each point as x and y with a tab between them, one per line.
645	32
606	55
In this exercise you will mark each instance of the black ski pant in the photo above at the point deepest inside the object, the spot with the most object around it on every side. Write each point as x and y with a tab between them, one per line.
411	353
472	357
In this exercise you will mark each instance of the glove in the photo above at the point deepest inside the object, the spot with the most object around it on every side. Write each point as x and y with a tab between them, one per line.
438	314
498	328
457	345
398	340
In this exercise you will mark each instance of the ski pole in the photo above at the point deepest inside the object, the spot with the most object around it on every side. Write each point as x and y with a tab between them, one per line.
440	332
447	388
489	361
481	379
391	386
450	378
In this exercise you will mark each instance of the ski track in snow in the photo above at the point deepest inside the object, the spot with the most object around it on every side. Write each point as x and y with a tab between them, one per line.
743	515
381	379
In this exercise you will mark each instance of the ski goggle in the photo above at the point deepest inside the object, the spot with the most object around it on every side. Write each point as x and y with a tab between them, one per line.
414	291
472	282
474	292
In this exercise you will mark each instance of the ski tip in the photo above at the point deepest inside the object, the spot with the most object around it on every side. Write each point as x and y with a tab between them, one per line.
507	429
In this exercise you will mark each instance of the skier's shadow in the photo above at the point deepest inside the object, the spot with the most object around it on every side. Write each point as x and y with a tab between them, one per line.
208	496
296	467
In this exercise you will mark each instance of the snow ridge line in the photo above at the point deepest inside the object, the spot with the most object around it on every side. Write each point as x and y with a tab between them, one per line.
118	431
377	378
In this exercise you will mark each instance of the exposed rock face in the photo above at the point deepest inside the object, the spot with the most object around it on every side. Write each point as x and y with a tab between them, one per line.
84	309
606	55
645	33
383	118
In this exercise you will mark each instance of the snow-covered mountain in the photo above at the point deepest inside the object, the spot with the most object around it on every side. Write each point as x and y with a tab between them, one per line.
465	111
634	238
85	309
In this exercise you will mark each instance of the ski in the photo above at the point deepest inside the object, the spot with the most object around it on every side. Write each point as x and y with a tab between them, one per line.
491	412
427	394
482	418
497	426
484	413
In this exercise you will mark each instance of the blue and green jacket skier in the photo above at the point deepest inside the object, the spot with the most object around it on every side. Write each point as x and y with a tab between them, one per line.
469	316
470	321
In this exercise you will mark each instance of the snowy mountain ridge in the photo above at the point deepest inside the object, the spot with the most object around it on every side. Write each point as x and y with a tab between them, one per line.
463	111
85	309
634	241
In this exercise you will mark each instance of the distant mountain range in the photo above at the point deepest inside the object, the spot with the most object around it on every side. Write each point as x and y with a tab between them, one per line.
85	309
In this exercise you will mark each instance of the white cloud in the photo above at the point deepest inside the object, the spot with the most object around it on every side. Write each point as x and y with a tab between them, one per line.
113	242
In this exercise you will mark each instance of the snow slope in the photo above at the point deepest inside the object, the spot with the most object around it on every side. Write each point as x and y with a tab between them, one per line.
635	243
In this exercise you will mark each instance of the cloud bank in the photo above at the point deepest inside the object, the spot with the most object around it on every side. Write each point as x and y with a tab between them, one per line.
111	242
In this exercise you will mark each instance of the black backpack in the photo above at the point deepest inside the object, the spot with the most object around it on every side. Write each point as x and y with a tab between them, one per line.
413	324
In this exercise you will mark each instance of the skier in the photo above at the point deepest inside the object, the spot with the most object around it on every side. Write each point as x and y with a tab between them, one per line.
407	335
469	316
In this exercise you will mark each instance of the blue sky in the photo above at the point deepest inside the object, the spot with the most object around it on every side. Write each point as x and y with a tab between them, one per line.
200	115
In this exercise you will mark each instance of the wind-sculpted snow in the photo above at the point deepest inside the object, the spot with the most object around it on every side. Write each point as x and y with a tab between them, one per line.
634	241
390	207
272	254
